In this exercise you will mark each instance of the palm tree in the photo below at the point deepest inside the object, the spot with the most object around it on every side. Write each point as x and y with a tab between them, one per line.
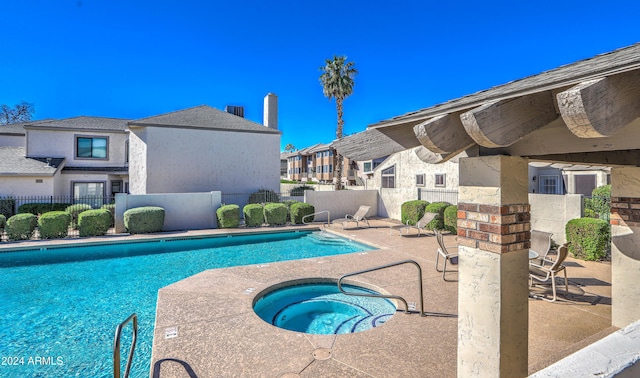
289	148
337	82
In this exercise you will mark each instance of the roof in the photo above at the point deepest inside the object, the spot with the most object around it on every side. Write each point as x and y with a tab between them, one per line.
82	123
14	163
204	117
18	128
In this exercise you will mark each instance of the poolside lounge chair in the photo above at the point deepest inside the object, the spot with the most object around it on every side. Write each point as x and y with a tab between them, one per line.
359	216
541	244
541	274
443	251
420	225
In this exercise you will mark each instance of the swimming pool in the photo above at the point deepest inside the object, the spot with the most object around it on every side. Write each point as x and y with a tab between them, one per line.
60	305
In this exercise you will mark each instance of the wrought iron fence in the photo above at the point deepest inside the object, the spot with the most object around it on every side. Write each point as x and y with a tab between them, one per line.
435	195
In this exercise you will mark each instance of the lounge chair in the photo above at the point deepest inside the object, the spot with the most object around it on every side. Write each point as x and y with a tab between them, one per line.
359	216
420	225
541	244
443	251
541	274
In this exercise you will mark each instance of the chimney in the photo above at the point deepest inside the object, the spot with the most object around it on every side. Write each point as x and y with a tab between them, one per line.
270	118
235	110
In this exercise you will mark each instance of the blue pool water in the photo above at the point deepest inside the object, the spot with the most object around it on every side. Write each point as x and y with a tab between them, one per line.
60	306
320	308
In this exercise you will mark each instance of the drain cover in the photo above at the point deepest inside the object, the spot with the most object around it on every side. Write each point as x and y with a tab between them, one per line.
322	354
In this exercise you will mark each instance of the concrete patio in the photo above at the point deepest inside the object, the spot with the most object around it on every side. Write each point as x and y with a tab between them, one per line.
207	321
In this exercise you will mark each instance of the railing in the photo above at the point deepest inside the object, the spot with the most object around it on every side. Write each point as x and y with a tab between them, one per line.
116	346
316	213
406	305
438	195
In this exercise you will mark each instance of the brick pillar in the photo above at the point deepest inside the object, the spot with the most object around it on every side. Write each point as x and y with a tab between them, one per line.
494	238
625	246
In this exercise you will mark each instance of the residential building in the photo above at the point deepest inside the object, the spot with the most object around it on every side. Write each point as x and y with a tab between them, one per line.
318	163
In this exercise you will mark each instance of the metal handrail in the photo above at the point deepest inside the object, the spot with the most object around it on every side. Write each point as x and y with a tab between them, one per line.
316	213
406	306
116	346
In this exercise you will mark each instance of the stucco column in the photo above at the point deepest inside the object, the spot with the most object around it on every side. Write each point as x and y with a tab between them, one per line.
494	238
625	246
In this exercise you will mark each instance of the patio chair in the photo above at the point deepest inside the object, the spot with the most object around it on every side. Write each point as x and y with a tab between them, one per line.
541	244
359	216
420	225
539	274
443	251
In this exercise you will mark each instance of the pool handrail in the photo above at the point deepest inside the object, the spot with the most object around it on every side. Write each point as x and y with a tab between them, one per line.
116	346
406	306
316	213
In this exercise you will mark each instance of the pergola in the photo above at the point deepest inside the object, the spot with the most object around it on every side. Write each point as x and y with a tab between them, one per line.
583	113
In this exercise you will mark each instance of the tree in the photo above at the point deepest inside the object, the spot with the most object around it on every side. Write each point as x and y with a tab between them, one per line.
337	83
22	112
289	148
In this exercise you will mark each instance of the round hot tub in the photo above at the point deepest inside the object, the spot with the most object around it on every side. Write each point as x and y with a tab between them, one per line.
320	308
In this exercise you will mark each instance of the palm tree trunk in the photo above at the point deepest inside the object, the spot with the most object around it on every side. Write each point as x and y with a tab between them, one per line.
338	171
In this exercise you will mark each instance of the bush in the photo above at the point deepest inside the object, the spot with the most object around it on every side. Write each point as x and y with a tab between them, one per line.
253	215
3	221
264	196
94	222
299	210
21	226
437	207
598	206
299	190
412	211
451	219
75	210
275	214
289	203
54	224
41	208
112	209
7	206
228	216
143	220
588	238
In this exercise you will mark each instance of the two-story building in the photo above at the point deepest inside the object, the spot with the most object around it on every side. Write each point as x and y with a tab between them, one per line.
318	163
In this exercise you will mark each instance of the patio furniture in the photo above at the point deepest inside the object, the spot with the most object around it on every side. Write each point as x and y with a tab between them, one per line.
539	274
443	251
541	244
359	216
420	225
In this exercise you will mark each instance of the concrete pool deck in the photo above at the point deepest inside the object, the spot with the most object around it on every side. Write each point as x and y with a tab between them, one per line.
206	322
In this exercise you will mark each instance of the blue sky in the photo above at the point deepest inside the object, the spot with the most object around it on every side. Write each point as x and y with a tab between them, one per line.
138	58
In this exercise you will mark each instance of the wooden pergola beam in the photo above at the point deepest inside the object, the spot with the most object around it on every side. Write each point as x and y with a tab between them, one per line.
502	123
599	108
443	134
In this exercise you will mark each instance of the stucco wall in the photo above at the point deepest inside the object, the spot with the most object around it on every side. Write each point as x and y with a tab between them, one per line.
182	211
182	160
551	213
341	202
61	143
12	140
26	186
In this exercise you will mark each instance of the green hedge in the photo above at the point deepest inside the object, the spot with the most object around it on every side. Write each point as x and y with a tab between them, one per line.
299	210
437	207
94	222
21	226
54	224
275	214
75	210
3	221
143	220
289	203
253	215
588	238
451	219
112	209
7	206
412	211
299	190
228	216
41	208
264	196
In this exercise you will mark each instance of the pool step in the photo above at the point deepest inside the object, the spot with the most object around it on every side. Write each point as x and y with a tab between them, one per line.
326	238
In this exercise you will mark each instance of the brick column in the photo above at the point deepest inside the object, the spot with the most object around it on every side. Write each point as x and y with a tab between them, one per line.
625	246
494	238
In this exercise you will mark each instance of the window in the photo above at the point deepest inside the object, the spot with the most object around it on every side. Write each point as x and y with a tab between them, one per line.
440	180
91	193
91	147
549	184
389	177
126	151
367	167
584	184
420	180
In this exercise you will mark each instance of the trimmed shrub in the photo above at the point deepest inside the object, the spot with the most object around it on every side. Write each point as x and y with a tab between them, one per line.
54	224
21	226
438	222
143	220
75	210
451	219
299	210
41	208
289	203
275	214
112	209
299	190
598	206
253	215
264	196
7	206
588	238
3	221
228	216
412	211
94	222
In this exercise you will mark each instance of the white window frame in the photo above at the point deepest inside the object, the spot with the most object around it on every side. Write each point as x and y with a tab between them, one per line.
388	180
440	180
420	179
542	179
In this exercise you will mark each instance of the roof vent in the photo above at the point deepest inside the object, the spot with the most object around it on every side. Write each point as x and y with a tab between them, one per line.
235	110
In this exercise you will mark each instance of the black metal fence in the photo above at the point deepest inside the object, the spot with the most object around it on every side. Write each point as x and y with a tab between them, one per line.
435	195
